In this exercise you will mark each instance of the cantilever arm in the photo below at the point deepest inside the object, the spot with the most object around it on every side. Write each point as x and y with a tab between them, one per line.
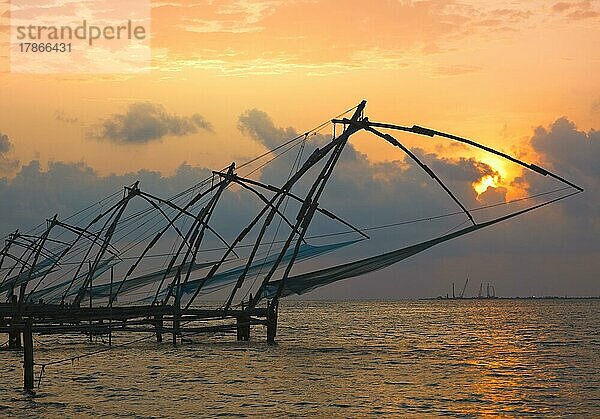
81	232
186	212
234	178
48	239
430	172
297	198
416	129
171	222
45	252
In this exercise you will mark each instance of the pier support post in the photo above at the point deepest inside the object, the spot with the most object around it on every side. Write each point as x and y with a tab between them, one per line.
14	338
176	326
243	326
158	324
14	335
176	311
28	356
272	309
110	301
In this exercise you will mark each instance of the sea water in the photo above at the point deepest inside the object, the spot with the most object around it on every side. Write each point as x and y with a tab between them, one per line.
342	359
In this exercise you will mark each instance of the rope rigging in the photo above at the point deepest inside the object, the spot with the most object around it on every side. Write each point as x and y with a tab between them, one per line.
125	231
166	269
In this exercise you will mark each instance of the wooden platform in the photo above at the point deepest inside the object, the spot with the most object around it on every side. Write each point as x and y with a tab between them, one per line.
44	315
24	320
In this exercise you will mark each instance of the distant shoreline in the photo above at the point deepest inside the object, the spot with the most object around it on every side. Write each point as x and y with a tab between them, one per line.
297	299
550	297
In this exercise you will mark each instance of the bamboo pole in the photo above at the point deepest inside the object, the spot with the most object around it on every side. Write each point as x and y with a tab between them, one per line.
28	356
272	310
112	274
14	336
90	268
176	311
158	318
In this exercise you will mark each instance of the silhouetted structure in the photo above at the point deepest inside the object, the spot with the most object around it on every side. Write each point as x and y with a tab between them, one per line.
135	243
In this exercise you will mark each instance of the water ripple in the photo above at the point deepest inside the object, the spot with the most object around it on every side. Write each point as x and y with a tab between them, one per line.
392	358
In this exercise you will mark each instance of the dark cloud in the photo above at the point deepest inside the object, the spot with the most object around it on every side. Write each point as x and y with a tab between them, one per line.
575	155
5	144
65	188
369	194
144	122
7	165
540	253
462	169
259	126
569	150
493	195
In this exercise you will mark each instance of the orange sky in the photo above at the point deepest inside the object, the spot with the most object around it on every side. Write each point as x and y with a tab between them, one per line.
491	71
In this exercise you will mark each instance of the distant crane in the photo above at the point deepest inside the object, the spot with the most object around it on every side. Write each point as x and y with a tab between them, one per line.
491	288
462	293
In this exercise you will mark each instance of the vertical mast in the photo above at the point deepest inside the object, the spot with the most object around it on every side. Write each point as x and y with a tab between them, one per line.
309	207
131	192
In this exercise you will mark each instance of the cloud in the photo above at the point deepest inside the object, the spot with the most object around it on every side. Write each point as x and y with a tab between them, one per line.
456	70
144	122
364	193
259	126
493	195
561	6
5	144
367	194
567	149
370	193
298	35
576	10
557	239
64	188
227	17
512	14
574	154
7	165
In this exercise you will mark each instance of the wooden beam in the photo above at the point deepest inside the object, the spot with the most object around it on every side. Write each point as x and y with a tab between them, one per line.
28	356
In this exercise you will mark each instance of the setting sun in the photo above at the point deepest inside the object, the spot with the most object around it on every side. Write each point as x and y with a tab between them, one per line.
484	183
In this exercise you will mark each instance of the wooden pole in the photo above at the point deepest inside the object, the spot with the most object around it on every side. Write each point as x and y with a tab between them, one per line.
243	325
28	356
158	321
177	306
14	336
91	277
272	310
112	274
